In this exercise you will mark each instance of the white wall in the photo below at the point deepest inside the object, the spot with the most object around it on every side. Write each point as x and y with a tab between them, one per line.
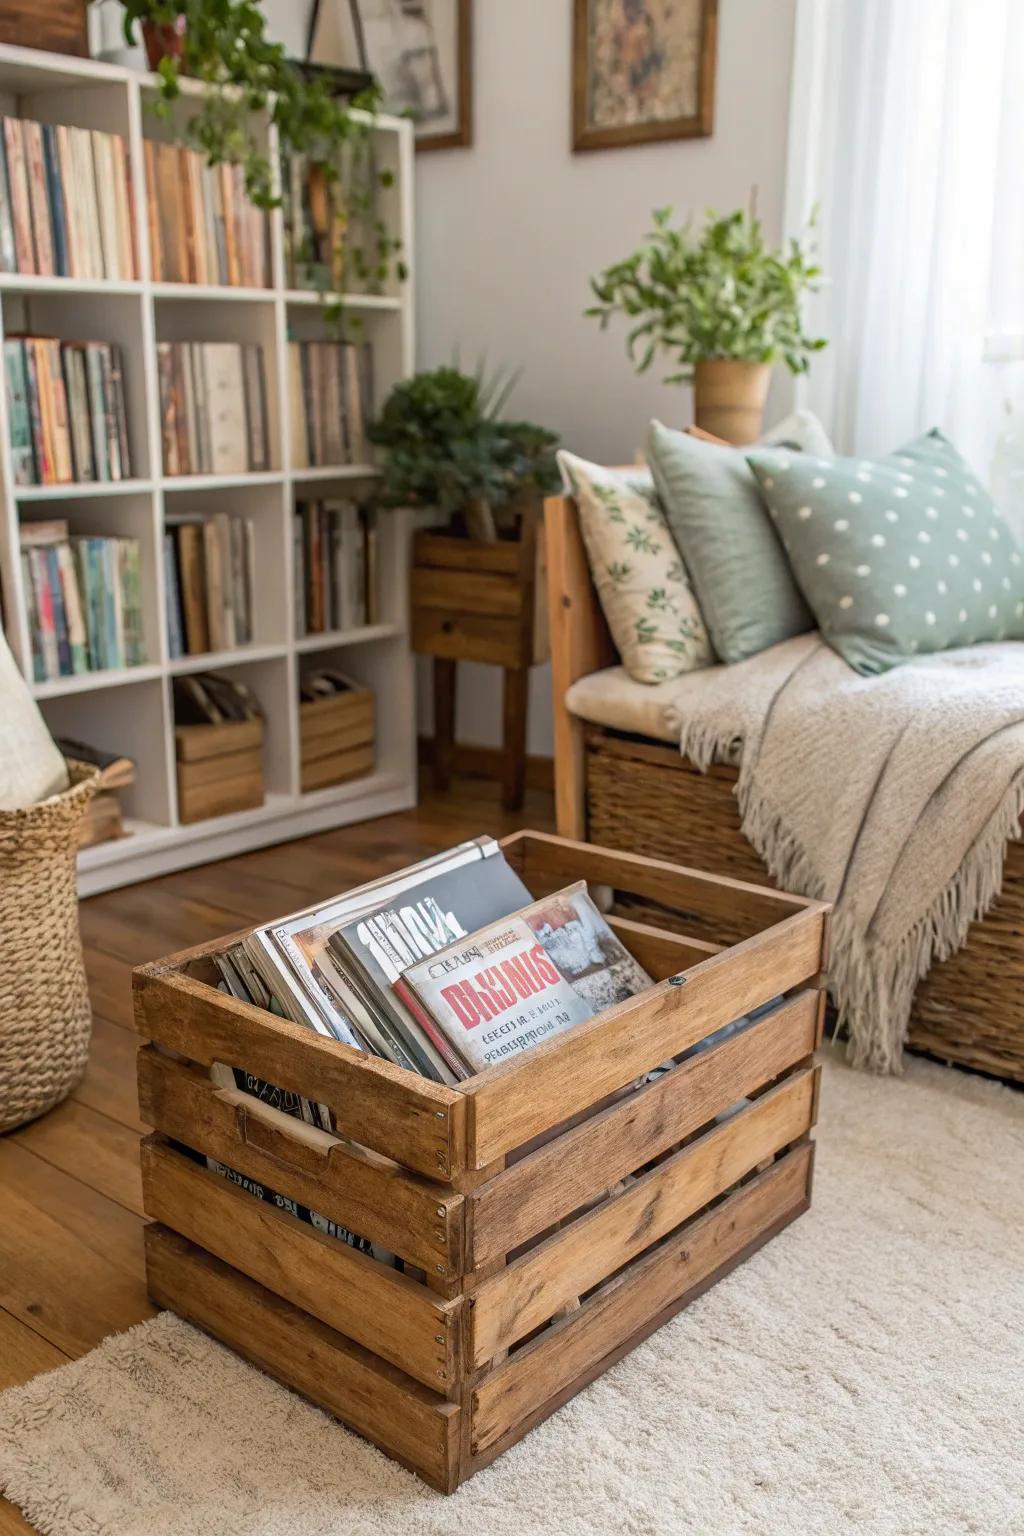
510	230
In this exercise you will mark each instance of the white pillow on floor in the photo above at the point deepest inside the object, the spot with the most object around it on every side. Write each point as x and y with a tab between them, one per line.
31	768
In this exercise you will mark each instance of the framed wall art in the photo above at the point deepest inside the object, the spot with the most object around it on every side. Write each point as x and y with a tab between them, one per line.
643	70
419	50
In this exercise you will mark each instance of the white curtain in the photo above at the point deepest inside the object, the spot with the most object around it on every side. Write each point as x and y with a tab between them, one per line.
907	133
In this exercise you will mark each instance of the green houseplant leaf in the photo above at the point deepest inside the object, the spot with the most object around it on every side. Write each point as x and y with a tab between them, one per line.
719	293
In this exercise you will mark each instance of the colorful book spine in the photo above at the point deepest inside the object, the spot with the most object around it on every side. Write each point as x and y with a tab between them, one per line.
19	414
21	208
55	193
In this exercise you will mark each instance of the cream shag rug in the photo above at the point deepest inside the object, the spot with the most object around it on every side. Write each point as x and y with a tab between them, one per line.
864	1372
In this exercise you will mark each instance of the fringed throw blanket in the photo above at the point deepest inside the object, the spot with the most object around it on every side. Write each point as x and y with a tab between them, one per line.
893	797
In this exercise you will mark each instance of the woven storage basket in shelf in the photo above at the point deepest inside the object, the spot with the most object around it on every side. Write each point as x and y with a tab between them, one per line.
44	1006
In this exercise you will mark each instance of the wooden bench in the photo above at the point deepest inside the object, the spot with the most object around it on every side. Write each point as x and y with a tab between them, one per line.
634	793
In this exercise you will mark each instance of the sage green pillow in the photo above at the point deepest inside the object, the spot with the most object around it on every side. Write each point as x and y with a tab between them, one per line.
896	556
718	519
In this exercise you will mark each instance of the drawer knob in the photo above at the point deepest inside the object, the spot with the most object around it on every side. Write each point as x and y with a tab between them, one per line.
447	625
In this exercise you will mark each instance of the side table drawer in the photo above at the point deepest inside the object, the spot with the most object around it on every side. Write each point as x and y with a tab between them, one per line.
470	637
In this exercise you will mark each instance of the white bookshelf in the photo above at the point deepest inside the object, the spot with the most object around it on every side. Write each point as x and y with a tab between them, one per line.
131	710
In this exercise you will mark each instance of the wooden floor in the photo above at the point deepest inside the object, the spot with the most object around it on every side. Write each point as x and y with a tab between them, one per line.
70	1199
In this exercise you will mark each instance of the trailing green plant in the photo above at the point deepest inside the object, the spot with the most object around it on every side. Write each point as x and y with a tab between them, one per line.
445	444
224	45
722	293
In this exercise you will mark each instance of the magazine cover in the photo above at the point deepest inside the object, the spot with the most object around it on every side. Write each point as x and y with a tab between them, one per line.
496	993
379	944
521	981
586	951
295	960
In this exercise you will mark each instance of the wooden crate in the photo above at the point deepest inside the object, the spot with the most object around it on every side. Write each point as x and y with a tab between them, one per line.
530	1278
337	738
59	26
220	768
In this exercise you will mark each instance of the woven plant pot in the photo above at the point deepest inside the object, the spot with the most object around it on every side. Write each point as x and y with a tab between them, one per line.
45	1017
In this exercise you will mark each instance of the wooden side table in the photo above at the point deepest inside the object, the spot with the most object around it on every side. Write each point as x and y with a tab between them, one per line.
481	602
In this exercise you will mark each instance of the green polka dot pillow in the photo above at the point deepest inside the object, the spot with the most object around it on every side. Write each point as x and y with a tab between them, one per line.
895	556
641	582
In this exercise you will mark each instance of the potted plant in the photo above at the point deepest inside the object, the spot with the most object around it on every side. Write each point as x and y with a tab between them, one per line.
224	44
724	304
447	449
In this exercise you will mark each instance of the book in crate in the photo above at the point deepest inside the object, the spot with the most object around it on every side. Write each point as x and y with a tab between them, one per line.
218	746
202	226
600	1164
66	205
68	421
83	600
337	730
213	408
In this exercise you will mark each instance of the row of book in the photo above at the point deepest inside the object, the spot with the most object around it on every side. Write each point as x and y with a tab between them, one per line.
66	207
330	393
66	410
202	226
83	597
210	579
335	566
213	407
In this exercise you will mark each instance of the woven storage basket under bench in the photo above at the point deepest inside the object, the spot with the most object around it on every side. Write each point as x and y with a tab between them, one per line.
536	1278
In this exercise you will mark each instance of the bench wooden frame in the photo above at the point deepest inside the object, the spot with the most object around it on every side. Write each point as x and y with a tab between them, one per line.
641	794
550	1212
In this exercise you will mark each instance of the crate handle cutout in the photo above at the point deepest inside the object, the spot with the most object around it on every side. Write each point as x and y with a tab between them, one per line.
262	1136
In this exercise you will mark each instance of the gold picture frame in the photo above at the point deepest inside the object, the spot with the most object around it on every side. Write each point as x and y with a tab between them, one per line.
643	71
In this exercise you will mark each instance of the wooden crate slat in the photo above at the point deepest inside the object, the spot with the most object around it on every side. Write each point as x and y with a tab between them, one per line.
420	1221
406	1420
484	593
409	1118
532	1289
515	1101
387	1312
508	1400
557	1179
661	952
449	553
551	862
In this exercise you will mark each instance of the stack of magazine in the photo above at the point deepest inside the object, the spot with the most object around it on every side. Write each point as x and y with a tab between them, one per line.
445	968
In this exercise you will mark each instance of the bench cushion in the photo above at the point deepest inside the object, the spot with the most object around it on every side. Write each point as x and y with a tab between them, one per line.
613	699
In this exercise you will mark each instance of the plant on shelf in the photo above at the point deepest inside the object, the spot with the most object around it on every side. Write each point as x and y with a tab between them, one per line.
223	44
723	304
446	447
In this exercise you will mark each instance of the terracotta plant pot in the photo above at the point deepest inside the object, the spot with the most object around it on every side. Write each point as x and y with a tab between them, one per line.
163	40
729	398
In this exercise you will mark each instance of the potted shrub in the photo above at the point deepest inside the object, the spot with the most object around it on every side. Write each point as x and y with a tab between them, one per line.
723	304
447	449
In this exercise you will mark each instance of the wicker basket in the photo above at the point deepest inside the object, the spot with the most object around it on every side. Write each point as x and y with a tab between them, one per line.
45	1015
643	796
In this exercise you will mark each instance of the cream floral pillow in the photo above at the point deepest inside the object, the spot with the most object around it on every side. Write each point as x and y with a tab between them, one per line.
642	583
